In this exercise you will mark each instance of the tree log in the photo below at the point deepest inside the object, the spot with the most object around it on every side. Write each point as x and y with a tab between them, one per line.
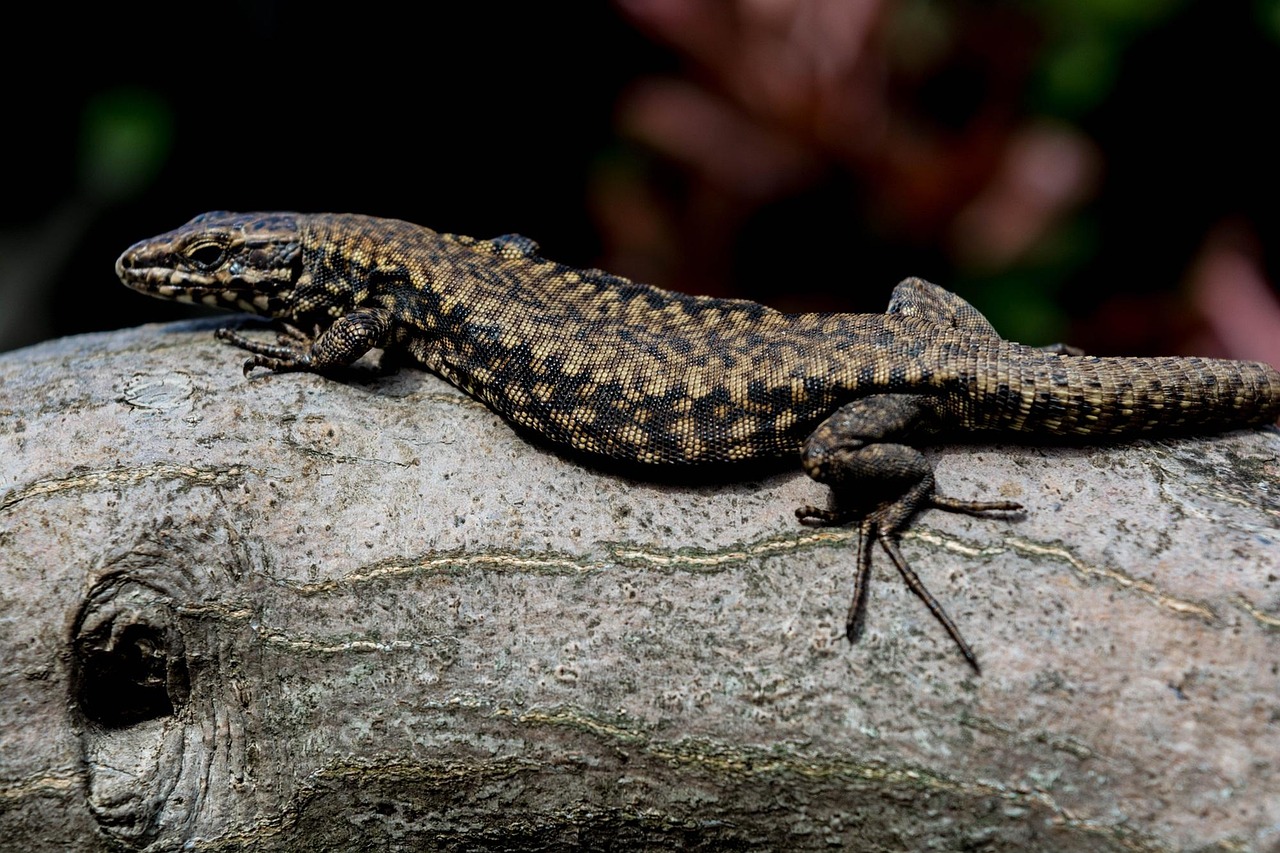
360	613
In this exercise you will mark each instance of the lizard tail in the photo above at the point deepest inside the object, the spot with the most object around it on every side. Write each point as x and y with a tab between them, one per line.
1099	397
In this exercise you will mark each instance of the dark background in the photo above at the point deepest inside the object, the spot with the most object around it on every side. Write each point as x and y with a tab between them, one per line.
648	138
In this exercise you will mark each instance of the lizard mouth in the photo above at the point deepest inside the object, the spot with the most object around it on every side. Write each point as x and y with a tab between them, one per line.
183	286
194	288
164	281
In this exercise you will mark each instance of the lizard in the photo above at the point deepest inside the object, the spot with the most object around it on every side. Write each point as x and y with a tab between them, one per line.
627	373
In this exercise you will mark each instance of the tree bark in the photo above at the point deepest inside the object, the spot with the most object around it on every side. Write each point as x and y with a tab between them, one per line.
360	613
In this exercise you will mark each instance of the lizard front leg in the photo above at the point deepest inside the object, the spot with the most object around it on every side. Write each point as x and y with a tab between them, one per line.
881	483
348	338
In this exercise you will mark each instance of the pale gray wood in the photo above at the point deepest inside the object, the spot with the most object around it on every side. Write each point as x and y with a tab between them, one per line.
381	620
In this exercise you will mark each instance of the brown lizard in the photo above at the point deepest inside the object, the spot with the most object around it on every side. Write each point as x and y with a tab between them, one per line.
630	374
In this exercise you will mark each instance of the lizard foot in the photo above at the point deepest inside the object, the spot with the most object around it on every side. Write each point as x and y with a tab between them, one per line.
884	525
338	346
292	350
880	483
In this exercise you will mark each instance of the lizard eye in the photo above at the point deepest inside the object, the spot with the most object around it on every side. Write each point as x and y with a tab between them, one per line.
207	255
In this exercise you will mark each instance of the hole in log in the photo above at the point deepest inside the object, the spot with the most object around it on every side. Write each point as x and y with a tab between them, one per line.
129	678
130	665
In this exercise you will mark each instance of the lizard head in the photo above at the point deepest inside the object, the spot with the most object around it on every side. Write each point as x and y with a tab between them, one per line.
245	261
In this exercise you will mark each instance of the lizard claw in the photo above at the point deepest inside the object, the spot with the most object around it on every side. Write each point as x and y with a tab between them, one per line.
888	541
283	356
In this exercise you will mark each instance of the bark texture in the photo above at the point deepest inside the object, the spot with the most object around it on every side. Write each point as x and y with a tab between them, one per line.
299	613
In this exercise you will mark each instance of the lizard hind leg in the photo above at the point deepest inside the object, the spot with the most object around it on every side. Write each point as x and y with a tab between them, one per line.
915	297
881	484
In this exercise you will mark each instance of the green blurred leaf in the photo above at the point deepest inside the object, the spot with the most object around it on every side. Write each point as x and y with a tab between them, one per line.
1087	40
1109	14
125	138
1268	15
1078	72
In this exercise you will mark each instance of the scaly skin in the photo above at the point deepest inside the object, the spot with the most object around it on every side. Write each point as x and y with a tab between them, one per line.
627	373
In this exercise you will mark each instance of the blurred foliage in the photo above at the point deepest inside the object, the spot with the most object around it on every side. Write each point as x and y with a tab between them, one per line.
126	136
1086	42
1268	15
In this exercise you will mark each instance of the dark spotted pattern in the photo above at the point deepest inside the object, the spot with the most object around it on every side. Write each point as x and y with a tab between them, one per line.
627	372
